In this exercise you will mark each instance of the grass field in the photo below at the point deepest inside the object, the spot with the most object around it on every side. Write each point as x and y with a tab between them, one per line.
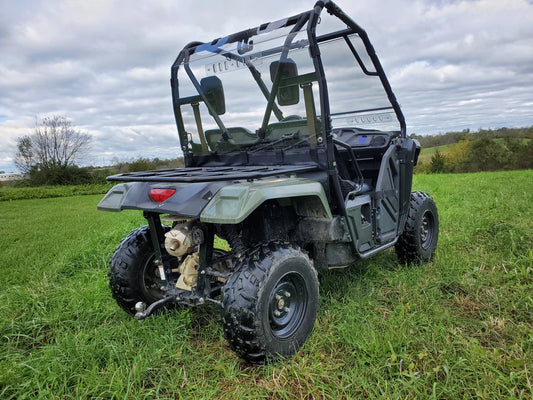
460	327
43	192
427	152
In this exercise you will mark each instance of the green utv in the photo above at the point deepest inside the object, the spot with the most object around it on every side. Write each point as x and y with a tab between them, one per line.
296	154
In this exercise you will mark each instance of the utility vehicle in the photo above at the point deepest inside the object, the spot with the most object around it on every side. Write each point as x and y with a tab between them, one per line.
296	155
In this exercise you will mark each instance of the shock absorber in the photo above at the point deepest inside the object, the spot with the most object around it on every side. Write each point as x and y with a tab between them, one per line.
234	239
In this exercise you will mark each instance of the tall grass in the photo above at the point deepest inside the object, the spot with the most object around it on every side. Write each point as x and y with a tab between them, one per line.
44	192
457	328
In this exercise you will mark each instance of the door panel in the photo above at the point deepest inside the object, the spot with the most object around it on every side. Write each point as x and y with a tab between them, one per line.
374	216
387	198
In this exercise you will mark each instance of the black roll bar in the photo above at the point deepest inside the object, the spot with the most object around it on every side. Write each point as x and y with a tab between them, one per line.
335	10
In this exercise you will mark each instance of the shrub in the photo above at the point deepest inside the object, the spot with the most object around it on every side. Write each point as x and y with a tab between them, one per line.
457	156
62	175
437	163
141	164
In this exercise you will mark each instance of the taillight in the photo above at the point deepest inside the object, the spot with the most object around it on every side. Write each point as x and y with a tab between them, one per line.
160	195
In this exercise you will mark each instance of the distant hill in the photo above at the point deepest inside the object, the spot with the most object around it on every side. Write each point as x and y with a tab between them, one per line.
455	137
483	150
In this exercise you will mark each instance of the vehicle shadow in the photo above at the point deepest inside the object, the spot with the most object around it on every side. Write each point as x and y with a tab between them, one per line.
336	283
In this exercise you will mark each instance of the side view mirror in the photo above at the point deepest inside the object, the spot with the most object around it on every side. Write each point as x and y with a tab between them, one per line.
287	95
214	93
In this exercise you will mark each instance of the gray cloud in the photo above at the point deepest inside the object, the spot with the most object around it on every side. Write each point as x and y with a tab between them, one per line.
106	64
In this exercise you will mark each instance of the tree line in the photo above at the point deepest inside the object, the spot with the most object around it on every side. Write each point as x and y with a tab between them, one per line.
484	150
448	138
50	154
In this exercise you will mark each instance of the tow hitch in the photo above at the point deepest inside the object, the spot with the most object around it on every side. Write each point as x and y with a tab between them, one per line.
143	312
182	297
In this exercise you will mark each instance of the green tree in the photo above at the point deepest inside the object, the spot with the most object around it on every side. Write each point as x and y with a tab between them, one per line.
438	162
488	155
457	156
524	156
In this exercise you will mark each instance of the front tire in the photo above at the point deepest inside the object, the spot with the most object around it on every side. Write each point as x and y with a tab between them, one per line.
418	240
270	303
134	274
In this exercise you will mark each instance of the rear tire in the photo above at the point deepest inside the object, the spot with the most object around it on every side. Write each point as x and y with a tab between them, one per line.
418	241
270	303
134	275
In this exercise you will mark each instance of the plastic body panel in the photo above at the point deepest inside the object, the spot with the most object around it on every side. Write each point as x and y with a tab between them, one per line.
233	203
188	201
358	210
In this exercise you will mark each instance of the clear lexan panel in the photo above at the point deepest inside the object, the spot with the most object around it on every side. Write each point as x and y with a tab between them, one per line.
356	98
244	70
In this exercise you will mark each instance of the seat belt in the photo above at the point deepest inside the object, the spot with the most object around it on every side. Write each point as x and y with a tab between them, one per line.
310	111
198	118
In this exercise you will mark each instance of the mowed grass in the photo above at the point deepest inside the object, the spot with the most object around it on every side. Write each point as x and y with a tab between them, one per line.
460	327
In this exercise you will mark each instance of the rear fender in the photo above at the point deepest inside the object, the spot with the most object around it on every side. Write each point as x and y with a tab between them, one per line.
234	203
188	200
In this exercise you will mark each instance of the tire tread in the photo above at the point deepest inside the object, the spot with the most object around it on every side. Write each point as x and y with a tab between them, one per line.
242	331
407	247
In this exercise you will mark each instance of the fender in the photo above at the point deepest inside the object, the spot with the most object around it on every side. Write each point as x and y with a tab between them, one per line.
232	204
188	201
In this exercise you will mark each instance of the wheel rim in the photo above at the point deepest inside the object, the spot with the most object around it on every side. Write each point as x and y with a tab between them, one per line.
287	305
427	229
151	282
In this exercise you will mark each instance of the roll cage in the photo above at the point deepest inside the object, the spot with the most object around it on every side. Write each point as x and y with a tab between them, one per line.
323	151
297	22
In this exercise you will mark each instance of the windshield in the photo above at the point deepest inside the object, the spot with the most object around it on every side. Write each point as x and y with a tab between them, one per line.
356	95
259	90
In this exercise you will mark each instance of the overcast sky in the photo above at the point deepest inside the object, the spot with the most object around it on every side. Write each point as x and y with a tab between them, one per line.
105	65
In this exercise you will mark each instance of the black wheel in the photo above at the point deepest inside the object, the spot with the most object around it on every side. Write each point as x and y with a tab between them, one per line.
418	241
270	303
134	274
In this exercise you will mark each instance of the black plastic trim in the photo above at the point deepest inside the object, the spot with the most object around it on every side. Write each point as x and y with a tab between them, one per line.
211	174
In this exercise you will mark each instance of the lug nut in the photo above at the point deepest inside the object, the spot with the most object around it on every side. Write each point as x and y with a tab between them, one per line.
277	313
287	309
287	294
278	297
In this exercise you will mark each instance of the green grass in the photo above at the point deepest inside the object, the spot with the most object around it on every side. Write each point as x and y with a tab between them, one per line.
44	192
431	150
460	327
427	153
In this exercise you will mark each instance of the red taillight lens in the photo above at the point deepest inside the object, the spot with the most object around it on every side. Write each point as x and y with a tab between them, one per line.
160	195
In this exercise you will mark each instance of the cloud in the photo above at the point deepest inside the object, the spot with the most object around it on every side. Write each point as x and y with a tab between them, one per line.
105	64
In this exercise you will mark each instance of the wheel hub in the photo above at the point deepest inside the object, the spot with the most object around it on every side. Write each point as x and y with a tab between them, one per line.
281	304
426	230
287	305
152	283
